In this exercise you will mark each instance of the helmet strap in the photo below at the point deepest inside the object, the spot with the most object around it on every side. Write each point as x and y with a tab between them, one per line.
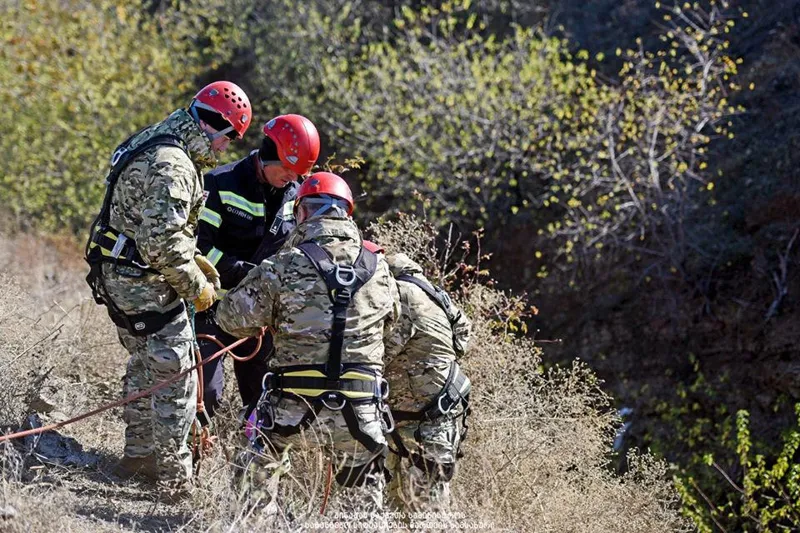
326	203
193	111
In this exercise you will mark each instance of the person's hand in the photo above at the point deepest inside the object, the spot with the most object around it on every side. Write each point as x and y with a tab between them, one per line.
206	298
209	270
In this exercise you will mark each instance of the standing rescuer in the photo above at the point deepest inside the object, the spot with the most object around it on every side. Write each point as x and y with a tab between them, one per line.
144	267
247	215
331	303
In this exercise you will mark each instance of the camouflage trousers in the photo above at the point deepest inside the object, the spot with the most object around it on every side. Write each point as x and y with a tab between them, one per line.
424	485
358	471
160	423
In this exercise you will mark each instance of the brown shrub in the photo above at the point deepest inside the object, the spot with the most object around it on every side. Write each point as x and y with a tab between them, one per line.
535	458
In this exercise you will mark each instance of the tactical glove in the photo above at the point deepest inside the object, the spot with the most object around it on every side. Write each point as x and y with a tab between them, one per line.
206	298
210	272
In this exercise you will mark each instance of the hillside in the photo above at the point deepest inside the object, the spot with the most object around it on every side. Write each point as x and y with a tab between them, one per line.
534	460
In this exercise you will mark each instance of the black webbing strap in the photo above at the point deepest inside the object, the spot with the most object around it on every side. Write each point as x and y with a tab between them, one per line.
145	323
366	440
128	254
122	156
450	395
342	281
437	295
279	382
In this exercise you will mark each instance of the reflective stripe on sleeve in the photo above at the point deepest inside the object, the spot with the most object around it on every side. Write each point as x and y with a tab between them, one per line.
214	256
212	217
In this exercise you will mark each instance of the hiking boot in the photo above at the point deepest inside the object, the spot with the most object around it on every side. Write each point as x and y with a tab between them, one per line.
129	467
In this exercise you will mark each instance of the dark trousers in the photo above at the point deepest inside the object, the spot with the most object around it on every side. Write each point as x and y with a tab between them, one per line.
248	374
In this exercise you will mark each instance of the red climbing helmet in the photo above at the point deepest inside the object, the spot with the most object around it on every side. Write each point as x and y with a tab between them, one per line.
320	193
297	141
227	100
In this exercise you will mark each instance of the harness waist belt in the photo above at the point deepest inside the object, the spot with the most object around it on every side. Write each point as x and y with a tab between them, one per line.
118	248
309	382
147	322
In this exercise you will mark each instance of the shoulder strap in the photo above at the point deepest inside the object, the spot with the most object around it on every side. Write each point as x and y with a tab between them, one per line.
342	281
122	156
440	297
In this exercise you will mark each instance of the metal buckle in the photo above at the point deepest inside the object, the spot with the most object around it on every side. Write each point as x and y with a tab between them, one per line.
439	404
383	389
118	155
335	408
350	273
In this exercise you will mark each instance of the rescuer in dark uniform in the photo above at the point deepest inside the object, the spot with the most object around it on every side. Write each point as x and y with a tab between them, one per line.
247	215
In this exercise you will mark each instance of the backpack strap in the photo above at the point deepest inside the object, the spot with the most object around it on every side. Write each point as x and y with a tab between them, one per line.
342	281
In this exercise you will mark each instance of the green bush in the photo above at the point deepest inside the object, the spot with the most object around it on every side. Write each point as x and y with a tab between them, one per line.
76	78
497	130
765	494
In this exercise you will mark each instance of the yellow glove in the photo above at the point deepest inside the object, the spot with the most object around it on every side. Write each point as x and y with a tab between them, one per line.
206	298
211	273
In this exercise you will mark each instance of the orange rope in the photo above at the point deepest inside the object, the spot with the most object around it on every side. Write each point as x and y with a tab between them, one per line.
132	398
235	357
328	483
205	442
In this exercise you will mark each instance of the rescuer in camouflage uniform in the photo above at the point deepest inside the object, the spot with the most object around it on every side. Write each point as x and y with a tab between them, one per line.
287	293
156	203
420	355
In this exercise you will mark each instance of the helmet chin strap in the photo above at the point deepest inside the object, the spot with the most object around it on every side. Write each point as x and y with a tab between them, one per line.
193	111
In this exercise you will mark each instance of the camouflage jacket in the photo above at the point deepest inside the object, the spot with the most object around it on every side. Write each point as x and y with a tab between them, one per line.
419	351
157	202
286	293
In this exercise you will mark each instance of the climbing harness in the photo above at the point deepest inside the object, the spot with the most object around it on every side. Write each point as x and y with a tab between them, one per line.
333	385
452	400
108	245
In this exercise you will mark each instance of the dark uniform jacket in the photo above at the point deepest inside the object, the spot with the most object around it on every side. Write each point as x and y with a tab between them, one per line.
244	221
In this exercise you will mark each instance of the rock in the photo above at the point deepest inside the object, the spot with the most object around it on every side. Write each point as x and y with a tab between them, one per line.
52	447
42	404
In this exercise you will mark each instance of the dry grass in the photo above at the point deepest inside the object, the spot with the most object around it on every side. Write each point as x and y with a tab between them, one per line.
536	454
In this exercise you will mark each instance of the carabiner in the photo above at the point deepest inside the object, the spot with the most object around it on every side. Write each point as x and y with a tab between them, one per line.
264	381
441	410
336	408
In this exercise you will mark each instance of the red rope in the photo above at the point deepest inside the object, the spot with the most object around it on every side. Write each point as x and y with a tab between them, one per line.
134	397
328	483
204	442
235	357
